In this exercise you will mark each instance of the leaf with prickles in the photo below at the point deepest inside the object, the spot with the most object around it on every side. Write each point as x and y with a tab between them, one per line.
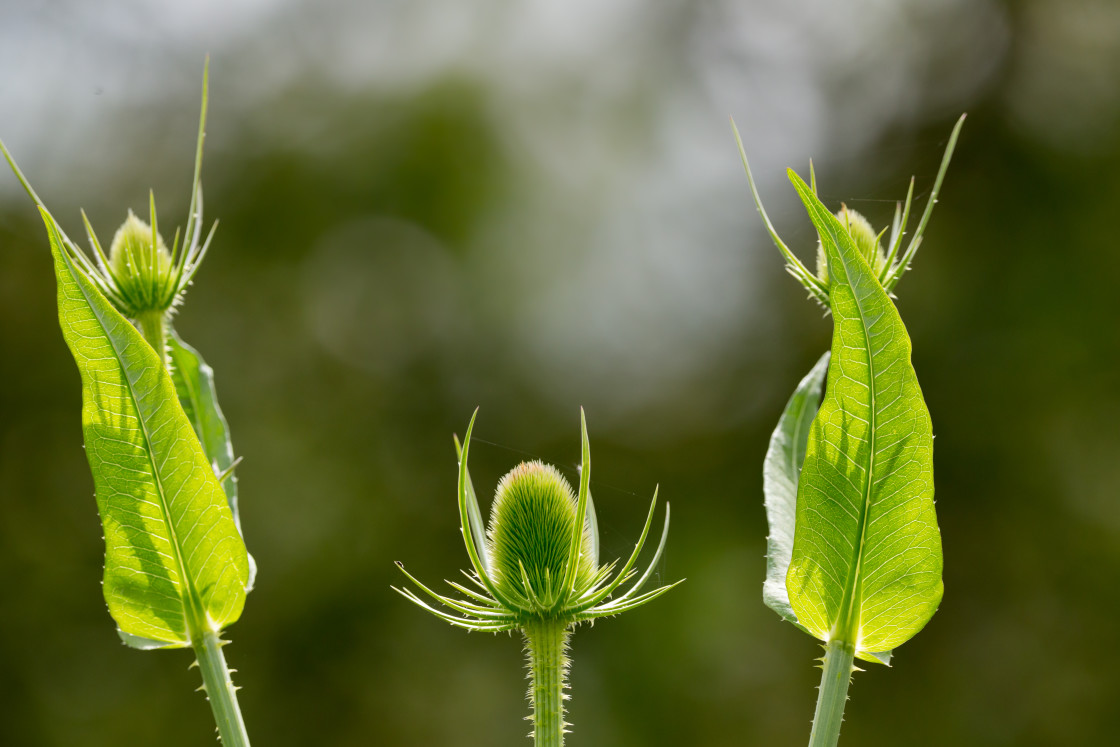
866	564
780	472
194	383
175	564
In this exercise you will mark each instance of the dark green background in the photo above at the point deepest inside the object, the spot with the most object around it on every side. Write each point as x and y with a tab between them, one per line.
375	277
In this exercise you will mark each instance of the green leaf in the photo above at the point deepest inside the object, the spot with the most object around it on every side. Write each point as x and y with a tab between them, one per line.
866	566
780	473
143	644
194	383
175	565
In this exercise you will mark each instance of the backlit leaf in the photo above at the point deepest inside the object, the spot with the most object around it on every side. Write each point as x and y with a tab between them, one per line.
866	564
175	564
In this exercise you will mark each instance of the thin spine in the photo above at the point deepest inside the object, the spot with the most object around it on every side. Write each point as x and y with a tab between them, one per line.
795	267
833	693
220	691
194	216
898	230
895	274
546	645
625	574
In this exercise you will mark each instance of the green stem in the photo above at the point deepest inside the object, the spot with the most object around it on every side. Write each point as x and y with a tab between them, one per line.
838	659
220	691
153	327
547	644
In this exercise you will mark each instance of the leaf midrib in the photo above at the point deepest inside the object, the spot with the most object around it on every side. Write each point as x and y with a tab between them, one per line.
186	583
847	627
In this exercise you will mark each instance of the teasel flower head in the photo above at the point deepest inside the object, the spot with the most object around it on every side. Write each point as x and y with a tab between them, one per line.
888	266
539	561
139	275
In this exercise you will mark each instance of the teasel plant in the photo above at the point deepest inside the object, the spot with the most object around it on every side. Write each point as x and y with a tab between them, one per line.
854	553
536	570
888	265
177	571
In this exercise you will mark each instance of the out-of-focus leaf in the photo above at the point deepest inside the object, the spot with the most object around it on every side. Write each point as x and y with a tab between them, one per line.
780	472
175	564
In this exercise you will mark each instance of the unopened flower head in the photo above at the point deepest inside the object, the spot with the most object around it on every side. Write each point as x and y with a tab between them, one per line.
530	536
139	275
540	558
140	266
863	237
889	265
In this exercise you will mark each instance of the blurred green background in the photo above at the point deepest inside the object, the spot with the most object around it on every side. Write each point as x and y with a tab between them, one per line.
532	206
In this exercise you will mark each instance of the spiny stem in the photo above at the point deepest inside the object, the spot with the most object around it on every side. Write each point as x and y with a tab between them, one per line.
547	644
833	694
153	326
220	691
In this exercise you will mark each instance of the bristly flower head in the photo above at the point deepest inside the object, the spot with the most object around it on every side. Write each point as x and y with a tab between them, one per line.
888	267
864	238
540	558
531	527
140	275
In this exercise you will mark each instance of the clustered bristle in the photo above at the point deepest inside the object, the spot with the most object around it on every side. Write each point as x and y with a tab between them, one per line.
531	525
863	236
140	275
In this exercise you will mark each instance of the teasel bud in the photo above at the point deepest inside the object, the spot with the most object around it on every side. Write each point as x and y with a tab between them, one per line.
888	266
140	264
530	537
142	278
863	236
